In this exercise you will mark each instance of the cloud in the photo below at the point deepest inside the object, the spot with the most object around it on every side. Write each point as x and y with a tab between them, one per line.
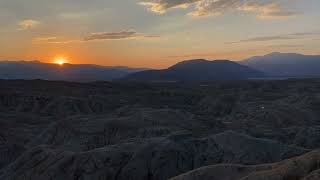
54	40
161	6
126	34
271	11
28	24
215	7
111	35
266	38
285	46
277	38
122	35
265	9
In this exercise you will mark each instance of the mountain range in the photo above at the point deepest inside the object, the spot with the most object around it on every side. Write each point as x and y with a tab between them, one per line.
273	65
199	70
68	72
285	64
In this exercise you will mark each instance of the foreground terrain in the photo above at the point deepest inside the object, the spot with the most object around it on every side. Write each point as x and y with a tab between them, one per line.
242	130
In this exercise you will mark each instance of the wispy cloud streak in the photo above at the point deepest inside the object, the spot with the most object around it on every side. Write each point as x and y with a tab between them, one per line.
277	38
126	34
103	36
265	10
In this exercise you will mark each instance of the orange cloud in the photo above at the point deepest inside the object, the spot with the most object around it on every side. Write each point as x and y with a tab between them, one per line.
122	35
126	34
28	24
270	10
161	6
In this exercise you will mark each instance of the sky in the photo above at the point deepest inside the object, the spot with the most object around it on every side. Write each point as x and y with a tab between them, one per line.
155	33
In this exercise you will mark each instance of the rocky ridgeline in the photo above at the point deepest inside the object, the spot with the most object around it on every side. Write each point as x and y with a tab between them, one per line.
156	158
305	167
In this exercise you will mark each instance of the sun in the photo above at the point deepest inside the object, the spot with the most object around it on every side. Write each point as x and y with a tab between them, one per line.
60	61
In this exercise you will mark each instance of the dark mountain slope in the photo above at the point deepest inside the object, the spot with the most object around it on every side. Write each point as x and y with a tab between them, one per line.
155	131
198	71
305	167
285	64
151	159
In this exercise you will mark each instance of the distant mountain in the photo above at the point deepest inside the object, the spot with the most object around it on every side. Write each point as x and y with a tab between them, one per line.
197	71
67	72
285	64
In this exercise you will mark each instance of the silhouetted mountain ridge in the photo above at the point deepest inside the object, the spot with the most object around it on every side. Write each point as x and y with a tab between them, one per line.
67	72
285	64
198	70
275	64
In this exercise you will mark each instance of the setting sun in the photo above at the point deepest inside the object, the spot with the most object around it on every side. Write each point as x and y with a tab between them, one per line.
60	61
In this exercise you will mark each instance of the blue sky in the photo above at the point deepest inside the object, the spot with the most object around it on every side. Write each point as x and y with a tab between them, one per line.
156	33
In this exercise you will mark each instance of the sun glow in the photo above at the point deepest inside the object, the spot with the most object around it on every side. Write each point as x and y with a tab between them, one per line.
60	61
